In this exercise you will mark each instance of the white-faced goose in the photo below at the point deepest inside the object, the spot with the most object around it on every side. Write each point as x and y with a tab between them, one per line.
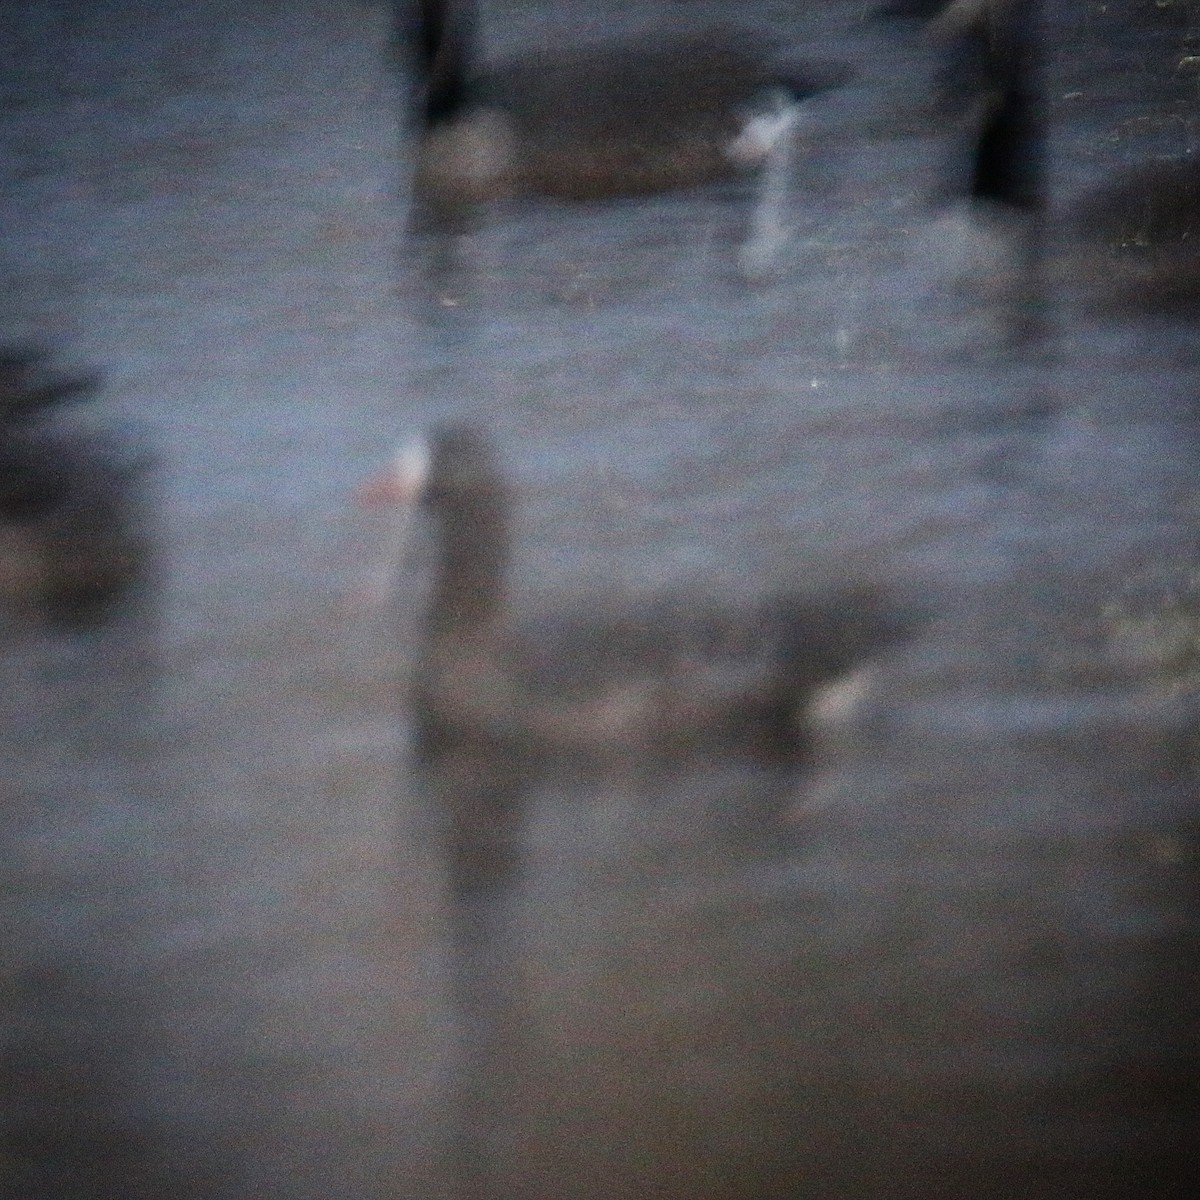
677	675
70	546
621	118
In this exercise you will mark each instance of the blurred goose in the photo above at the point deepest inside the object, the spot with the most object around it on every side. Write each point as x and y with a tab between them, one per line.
70	546
622	118
989	69
1009	156
991	233
992	68
675	675
1138	236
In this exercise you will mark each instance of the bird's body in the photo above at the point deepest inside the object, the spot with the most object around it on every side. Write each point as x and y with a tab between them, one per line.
639	119
680	674
680	671
499	693
624	117
70	541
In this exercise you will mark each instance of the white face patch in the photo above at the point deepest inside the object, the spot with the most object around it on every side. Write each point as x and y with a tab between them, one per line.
411	466
763	132
396	495
836	704
767	141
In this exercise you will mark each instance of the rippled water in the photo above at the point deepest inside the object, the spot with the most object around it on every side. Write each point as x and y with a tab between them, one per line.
955	960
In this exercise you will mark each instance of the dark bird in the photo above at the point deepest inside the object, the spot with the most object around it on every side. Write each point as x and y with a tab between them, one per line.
676	673
992	68
1136	246
71	541
991	71
498	694
620	118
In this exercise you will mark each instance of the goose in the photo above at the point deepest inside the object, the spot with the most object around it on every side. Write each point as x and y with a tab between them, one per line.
1007	166
992	70
70	547
992	63
623	118
990	49
677	674
1137	236
499	696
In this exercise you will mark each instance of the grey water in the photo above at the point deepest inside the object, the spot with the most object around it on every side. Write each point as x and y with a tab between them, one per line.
954	959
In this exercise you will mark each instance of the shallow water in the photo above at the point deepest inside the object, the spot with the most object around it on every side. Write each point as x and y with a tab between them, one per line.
954	960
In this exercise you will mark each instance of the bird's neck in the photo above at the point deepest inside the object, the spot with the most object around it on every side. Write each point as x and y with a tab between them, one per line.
469	590
446	40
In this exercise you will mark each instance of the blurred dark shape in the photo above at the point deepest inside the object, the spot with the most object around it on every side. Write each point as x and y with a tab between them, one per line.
1007	167
681	675
506	704
993	66
28	386
917	9
1145	230
72	538
991	70
627	117
976	18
